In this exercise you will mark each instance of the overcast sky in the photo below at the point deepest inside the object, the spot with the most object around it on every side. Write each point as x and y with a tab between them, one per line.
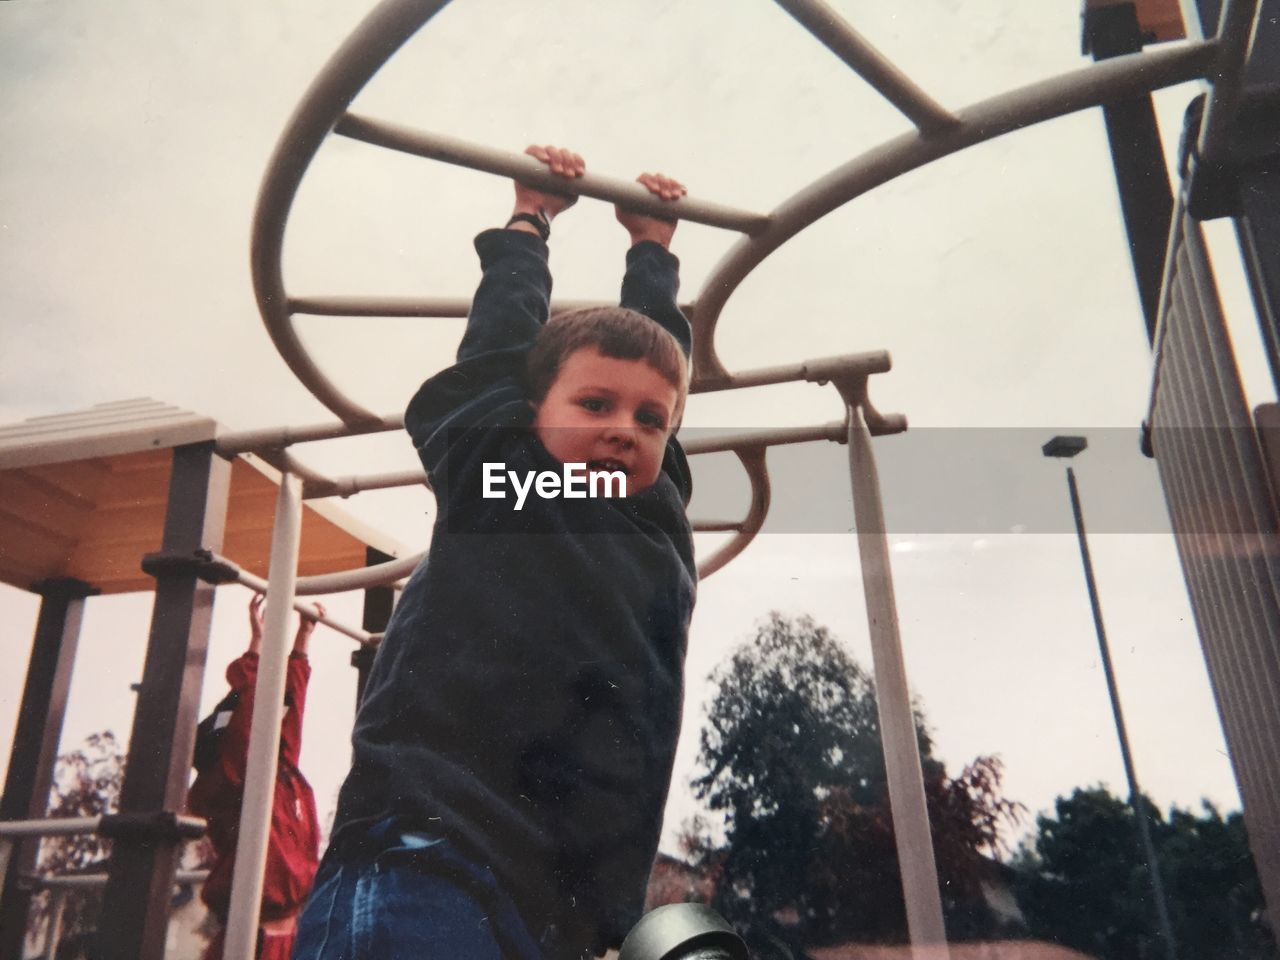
135	138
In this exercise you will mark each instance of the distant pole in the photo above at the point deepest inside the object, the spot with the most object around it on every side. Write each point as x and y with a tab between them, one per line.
1069	447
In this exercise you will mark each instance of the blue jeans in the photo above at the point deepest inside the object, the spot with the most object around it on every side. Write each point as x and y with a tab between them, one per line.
417	899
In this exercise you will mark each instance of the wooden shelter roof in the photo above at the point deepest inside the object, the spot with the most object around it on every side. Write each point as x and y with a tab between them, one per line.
1161	20
83	495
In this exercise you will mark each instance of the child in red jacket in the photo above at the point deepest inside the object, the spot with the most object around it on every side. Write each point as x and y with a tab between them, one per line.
216	795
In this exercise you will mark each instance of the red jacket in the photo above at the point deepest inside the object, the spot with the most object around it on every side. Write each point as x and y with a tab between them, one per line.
294	846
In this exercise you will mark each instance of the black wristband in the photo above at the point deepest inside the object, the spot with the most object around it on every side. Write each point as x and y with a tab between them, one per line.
537	220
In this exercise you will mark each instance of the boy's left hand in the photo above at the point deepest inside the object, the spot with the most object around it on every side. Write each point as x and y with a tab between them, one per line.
641	226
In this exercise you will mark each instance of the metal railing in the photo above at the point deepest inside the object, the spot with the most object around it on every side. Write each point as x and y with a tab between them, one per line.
62	886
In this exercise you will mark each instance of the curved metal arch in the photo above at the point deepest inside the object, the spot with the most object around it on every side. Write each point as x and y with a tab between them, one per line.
360	578
391	24
1037	102
753	459
387	27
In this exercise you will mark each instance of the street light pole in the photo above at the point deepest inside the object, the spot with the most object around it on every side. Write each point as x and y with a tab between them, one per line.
1065	447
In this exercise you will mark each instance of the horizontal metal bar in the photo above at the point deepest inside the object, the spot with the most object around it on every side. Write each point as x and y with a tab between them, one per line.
357	305
315	485
754	439
518	166
436	307
813	371
349	485
259	585
716	526
50	827
91	881
272	438
869	63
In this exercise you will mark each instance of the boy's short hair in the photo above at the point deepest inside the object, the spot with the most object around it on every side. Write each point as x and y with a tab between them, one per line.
616	332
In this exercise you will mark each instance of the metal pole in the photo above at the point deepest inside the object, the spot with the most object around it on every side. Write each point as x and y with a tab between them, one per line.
264	735
379	602
35	742
135	905
1142	180
53	933
869	63
1135	798
893	698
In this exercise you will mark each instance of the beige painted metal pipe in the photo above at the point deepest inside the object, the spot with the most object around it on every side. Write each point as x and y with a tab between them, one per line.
814	371
49	827
264	735
869	63
420	307
259	585
277	438
53	932
893	699
753	459
361	578
519	166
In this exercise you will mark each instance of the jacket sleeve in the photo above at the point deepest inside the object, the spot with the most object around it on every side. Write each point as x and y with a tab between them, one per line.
512	302
233	749
650	286
509	308
297	676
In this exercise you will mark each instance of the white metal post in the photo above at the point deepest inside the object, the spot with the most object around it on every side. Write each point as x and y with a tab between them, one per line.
264	737
53	933
893	698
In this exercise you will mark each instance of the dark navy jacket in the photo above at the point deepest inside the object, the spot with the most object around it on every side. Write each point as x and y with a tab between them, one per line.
525	701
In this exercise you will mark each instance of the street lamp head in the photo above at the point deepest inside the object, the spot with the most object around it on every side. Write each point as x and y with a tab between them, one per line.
1064	447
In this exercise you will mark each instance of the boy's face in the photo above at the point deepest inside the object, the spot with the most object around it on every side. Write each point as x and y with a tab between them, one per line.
609	414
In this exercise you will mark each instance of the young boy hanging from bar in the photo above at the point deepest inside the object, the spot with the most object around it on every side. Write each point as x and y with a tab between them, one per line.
512	754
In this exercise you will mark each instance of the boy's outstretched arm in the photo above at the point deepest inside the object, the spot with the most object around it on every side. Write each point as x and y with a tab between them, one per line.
511	303
508	310
653	272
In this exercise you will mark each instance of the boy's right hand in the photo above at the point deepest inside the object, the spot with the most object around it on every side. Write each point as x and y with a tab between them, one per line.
561	162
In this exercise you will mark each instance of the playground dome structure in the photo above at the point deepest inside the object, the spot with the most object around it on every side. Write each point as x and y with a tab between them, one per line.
1214	480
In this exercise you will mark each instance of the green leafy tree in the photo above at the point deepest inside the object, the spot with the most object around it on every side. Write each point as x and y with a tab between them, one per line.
86	783
1083	881
791	760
